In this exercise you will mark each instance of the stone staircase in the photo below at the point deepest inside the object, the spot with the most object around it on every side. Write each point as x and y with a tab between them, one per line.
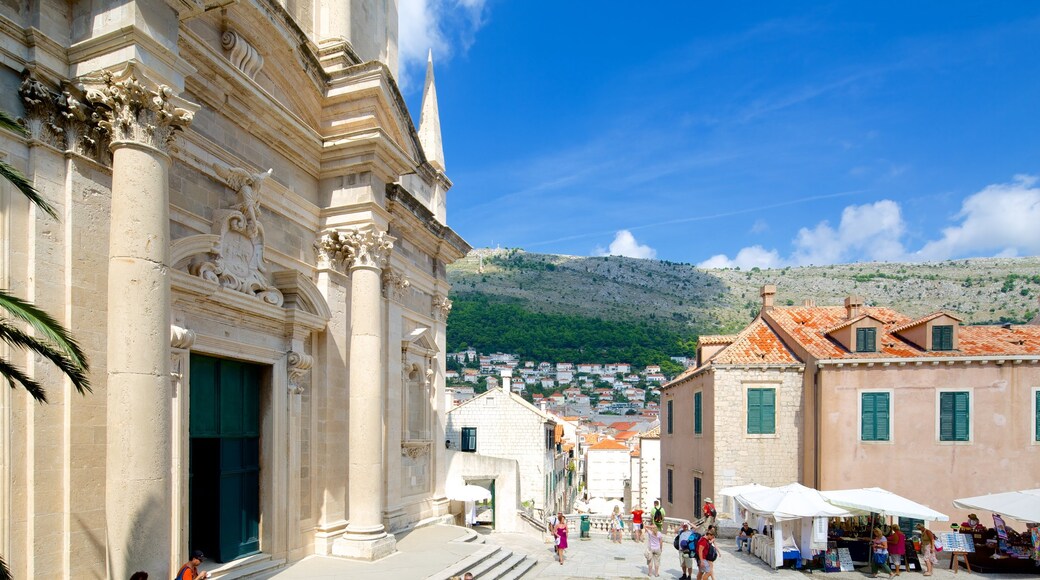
490	562
252	567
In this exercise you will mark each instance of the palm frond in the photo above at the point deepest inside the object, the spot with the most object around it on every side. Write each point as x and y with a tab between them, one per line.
17	338
14	374
11	174
5	573
45	324
11	124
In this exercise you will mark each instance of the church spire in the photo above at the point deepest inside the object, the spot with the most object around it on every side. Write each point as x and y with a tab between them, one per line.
430	121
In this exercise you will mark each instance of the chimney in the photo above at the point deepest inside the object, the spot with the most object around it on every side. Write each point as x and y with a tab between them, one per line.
544	406
507	380
767	294
852	305
809	303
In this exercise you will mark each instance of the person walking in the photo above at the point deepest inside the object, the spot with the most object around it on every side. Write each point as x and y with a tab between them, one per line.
706	555
685	551
653	550
927	554
709	512
190	570
879	555
560	533
617	525
637	524
897	547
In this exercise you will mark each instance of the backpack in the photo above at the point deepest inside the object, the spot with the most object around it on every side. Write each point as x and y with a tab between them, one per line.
712	554
690	543
713	512
658	517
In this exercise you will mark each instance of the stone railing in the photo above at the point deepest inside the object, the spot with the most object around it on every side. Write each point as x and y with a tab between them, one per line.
600	524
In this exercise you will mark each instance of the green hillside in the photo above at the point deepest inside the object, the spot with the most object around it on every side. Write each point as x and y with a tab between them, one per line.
610	309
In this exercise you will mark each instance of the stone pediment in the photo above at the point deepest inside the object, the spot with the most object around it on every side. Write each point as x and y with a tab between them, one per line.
420	340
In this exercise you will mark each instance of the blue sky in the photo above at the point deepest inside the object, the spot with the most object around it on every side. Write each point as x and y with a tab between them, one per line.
751	134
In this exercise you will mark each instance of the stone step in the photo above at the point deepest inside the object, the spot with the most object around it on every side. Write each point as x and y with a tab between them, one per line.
249	568
481	569
525	565
465	564
504	568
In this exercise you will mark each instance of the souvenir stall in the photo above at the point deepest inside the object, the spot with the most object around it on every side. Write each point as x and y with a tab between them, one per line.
884	504
1007	547
730	506
796	522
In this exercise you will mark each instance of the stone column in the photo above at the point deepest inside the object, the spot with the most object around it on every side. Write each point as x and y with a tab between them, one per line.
365	537
141	119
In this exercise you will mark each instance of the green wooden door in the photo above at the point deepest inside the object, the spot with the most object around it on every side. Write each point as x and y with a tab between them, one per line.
224	466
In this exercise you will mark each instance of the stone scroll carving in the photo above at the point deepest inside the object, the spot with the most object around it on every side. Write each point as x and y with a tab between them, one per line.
394	285
299	364
130	107
241	53
415	449
441	307
237	262
354	248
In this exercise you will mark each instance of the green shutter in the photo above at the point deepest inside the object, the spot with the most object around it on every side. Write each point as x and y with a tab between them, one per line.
866	340
669	417
942	337
697	413
954	416
761	411
1036	411
874	417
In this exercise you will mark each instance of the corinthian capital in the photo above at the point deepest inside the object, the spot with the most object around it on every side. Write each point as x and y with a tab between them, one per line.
370	247
131	107
441	307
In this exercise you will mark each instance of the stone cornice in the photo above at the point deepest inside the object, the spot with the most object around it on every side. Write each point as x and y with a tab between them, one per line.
32	46
295	38
84	56
440	240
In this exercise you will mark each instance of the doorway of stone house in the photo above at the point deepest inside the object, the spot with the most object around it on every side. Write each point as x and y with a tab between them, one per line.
224	458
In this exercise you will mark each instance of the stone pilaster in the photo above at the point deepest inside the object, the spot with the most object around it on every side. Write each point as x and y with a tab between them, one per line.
141	119
365	537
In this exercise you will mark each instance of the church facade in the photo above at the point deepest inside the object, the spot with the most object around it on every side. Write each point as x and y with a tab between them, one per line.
252	250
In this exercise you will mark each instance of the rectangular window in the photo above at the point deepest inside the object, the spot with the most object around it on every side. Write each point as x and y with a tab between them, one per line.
669	486
697	413
669	417
954	416
875	417
696	494
761	411
469	439
942	337
866	340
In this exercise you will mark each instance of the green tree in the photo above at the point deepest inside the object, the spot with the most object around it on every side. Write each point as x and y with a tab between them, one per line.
50	340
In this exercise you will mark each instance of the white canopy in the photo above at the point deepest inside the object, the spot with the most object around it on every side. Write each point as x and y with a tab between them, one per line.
1022	505
736	490
599	505
469	493
789	502
880	501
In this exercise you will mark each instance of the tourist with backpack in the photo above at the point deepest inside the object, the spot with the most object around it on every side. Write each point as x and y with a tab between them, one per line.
657	514
685	543
706	556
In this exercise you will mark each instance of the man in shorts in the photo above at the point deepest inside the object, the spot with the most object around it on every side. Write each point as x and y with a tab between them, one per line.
705	568
685	556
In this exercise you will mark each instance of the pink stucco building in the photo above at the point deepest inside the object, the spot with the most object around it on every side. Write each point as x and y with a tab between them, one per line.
855	396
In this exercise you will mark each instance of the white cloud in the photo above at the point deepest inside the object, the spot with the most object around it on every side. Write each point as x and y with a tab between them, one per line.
760	226
867	232
750	257
445	26
625	244
1002	219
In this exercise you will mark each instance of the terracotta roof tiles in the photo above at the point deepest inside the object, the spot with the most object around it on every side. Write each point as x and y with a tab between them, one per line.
608	445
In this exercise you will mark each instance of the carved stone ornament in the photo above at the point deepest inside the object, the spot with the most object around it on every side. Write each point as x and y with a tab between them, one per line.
61	119
237	261
441	307
354	248
394	285
241	53
181	338
415	449
132	108
299	364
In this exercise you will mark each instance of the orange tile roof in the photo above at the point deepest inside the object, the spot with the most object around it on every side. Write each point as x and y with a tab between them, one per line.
924	319
622	425
716	339
625	435
635	453
852	321
757	344
608	445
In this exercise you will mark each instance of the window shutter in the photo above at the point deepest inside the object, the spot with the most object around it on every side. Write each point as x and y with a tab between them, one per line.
697	413
669	417
961	416
946	416
867	418
754	412
768	410
866	340
669	486
1036	410
942	337
881	415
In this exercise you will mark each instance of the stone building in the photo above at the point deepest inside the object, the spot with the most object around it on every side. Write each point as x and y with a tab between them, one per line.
646	468
500	423
855	396
252	251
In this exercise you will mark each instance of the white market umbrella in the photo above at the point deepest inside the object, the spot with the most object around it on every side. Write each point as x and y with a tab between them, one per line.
1021	505
880	501
735	490
790	502
469	493
599	505
580	506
